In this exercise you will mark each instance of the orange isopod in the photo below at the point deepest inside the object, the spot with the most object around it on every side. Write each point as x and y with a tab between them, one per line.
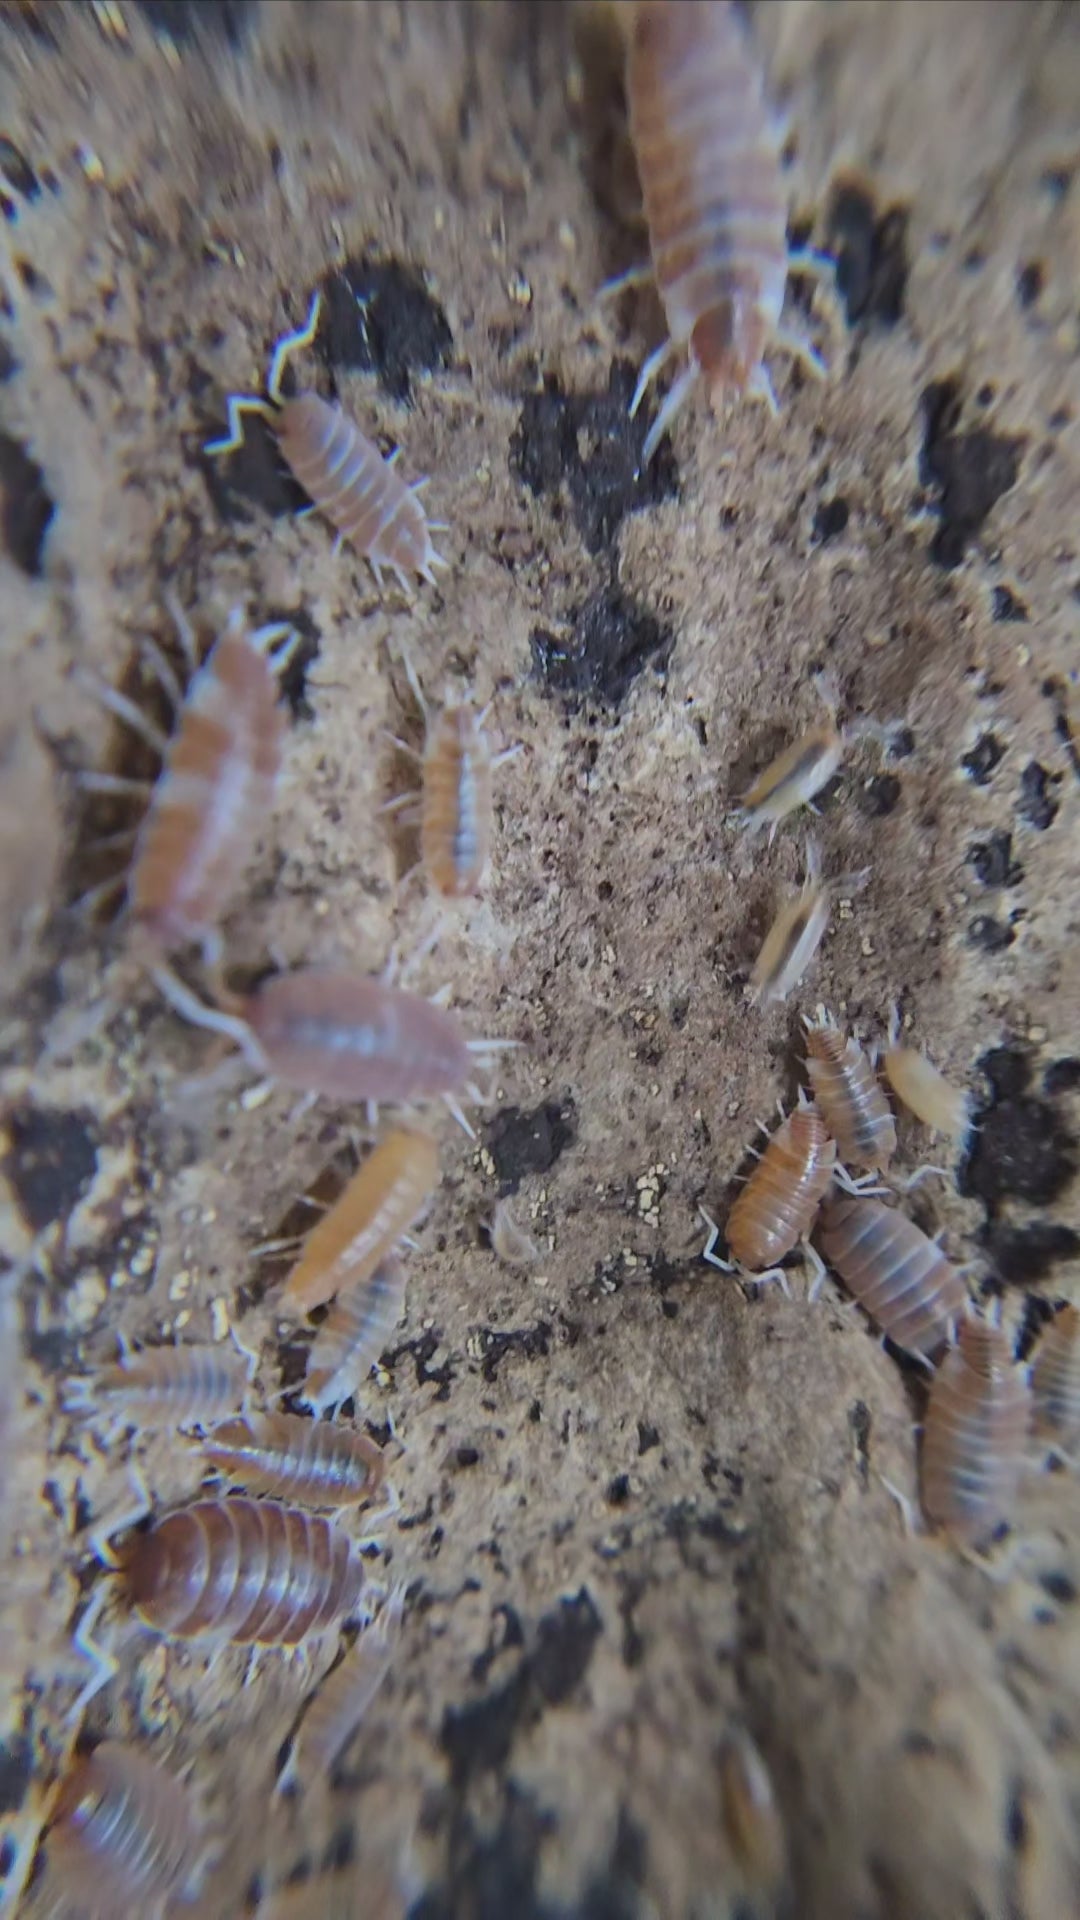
164	1387
1055	1380
776	1208
380	1204
849	1095
975	1435
126	1837
219	773
708	154
454	808
352	1336
313	1462
899	1277
344	473
923	1089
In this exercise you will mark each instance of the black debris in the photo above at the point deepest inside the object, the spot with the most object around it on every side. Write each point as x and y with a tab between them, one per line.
1021	1256
1029	283
971	471
878	796
1019	1147
16	1771
614	639
588	442
254	475
985	755
293	682
378	317
1008	605
992	862
17	171
26	509
532	1343
1063	1076
477	1738
522	1142
1037	806
871	255
565	1641
180	20
51	1161
988	935
830	521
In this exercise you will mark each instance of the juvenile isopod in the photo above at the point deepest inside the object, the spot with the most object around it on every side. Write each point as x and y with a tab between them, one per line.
510	1242
779	1202
453	810
1055	1380
793	939
353	1335
708	152
975	1436
343	1697
164	1387
346	1037
799	773
899	1277
312	1462
381	1202
126	1837
751	1817
219	772
847	1092
340	469
924	1091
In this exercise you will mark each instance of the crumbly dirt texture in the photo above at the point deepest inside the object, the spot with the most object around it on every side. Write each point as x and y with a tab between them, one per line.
639	1506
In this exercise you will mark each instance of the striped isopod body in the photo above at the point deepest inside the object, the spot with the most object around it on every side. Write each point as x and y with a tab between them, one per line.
164	1387
777	1206
455	808
923	1090
793	778
343	472
708	153
976	1435
344	1696
380	1203
793	939
899	1277
352	1336
242	1572
310	1461
848	1094
1055	1380
126	1836
751	1817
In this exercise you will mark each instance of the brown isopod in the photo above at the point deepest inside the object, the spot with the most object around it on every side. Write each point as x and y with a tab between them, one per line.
341	470
164	1387
848	1094
126	1837
777	1206
708	152
899	1277
453	810
219	773
975	1443
346	1037
311	1462
382	1200
343	1697
923	1090
352	1336
1055	1380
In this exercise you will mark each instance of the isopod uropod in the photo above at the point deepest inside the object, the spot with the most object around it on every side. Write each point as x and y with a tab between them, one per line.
926	1092
777	1206
341	470
899	1277
1055	1380
164	1387
126	1837
975	1436
380	1203
312	1462
848	1094
708	153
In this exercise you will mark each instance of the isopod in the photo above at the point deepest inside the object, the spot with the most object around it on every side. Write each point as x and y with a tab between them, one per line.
380	1203
164	1387
340	469
219	773
793	939
510	1242
778	1204
126	1837
1055	1380
454	808
847	1092
343	1697
799	773
975	1436
926	1092
751	1816
708	153
346	1036
899	1277
352	1336
311	1462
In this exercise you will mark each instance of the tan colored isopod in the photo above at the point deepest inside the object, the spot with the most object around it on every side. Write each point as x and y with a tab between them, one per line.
848	1094
708	152
312	1462
126	1837
381	1202
793	939
352	1337
923	1090
341	470
975	1444
1055	1381
751	1818
164	1387
343	1697
777	1207
900	1278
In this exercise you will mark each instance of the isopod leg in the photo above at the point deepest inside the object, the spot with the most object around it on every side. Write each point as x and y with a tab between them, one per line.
771	1274
653	365
235	407
104	1664
707	1253
818	1271
815	264
920	1173
907	1510
760	387
793	341
289	344
861	1184
668	411
640	276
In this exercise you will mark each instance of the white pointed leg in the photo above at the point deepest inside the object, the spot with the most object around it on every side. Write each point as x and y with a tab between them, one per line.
288	345
236	406
668	411
639	276
653	365
707	1253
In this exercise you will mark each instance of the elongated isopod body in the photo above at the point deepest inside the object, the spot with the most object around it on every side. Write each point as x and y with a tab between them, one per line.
975	1436
777	1206
792	940
344	1696
380	1203
924	1091
794	777
848	1094
751	1816
344	473
352	1336
899	1277
126	1838
708	154
245	1572
1055	1380
355	1039
455	818
310	1461
164	1387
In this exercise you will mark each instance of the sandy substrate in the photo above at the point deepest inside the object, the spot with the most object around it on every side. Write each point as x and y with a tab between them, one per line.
638	1507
